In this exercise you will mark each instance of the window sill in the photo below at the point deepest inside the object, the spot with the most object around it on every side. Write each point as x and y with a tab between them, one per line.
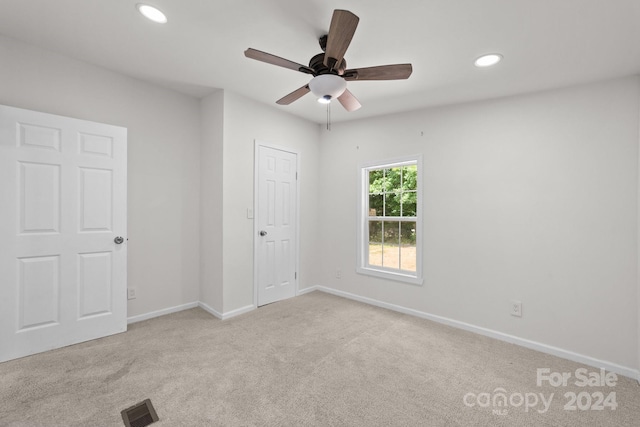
383	274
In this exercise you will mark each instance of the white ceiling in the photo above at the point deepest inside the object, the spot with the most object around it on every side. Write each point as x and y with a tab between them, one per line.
545	43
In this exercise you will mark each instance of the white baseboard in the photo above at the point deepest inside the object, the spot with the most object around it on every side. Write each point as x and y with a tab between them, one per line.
147	316
210	310
238	312
544	348
205	307
307	290
228	314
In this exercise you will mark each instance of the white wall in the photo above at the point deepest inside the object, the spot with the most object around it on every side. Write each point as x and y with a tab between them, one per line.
211	247
163	160
244	122
531	198
176	150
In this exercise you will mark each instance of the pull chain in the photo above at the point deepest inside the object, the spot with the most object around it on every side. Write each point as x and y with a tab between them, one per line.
329	116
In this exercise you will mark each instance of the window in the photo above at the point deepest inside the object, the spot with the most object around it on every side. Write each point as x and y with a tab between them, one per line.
389	238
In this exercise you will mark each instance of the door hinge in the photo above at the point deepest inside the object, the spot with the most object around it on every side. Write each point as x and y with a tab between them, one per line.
296	275
296	175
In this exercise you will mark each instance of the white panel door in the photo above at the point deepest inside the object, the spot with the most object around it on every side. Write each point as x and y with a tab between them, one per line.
276	214
62	204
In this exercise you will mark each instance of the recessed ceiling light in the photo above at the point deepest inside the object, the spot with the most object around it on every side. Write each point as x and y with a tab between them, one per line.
152	13
488	60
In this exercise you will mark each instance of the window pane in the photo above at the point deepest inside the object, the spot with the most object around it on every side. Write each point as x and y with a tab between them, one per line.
392	204
390	192
408	246
391	244
376	179
375	204
392	178
409	202
375	243
410	177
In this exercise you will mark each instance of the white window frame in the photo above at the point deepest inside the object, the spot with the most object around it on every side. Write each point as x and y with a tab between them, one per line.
363	266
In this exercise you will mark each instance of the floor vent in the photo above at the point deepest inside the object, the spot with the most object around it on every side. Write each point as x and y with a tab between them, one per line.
139	415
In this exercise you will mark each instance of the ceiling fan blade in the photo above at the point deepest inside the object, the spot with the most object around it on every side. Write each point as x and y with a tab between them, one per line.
343	26
382	72
276	60
348	101
294	96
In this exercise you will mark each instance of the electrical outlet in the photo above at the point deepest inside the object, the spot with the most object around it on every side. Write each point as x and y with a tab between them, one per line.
516	308
131	293
338	274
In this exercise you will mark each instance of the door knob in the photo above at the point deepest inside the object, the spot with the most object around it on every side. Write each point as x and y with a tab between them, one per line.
118	240
263	233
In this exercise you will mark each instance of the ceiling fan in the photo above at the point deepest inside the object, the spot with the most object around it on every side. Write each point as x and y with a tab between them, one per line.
329	69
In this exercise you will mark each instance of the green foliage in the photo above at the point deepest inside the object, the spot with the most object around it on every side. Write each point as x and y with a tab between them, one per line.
392	192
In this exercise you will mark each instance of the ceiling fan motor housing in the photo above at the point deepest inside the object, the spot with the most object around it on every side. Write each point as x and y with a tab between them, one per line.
317	65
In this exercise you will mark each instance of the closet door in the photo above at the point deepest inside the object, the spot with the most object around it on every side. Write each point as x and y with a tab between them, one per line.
63	249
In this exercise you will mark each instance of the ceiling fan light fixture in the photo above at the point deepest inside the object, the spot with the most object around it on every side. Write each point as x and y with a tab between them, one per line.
327	86
152	13
488	60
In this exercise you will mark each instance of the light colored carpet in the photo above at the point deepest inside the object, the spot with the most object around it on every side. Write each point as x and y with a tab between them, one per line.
311	360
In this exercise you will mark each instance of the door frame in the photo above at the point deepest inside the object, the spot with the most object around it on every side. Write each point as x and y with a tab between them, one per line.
256	196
